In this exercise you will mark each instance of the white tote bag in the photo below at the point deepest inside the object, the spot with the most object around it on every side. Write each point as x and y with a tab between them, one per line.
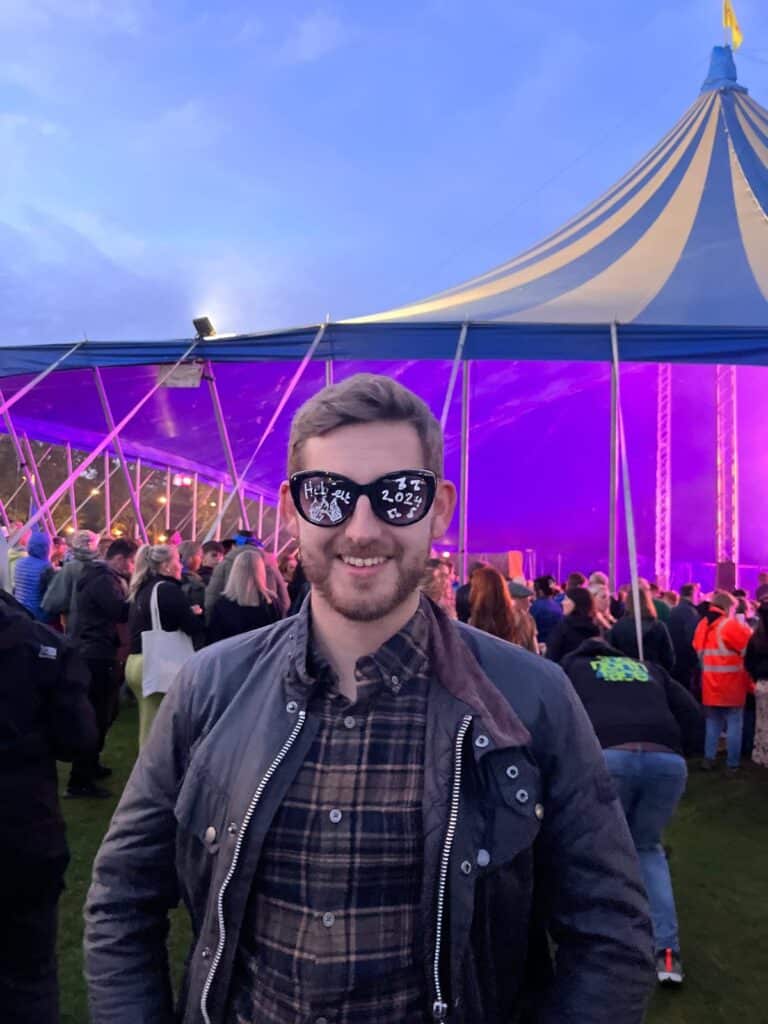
164	652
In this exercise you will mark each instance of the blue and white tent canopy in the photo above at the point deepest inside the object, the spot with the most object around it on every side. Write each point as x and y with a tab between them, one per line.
681	240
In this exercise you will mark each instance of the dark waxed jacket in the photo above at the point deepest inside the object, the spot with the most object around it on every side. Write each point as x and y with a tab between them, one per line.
100	602
45	715
540	839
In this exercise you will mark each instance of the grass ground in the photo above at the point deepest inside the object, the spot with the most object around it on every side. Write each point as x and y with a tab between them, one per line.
719	843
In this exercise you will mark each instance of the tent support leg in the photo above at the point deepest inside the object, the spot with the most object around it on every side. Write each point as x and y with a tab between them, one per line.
72	498
662	547
454	374
110	420
39	488
219	515
195	484
226	443
464	483
328	372
276	538
613	497
261	515
276	414
107	496
168	500
26	470
103	444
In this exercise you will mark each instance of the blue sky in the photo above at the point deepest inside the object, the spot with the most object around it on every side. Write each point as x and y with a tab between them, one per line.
273	163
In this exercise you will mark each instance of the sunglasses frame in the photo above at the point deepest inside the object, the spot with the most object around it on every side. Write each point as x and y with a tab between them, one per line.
428	478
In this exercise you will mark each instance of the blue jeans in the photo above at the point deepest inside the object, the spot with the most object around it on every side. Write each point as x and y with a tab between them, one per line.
649	786
730	719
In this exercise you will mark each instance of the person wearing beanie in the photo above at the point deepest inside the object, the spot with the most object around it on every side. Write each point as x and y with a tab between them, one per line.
60	592
27	586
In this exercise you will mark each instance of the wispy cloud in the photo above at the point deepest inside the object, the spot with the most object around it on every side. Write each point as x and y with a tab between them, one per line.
313	38
191	126
113	15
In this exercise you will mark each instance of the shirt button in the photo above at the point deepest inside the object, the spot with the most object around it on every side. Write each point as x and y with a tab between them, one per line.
349	722
329	919
335	816
210	834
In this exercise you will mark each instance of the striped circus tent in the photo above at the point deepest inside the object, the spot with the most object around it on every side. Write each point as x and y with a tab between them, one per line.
682	239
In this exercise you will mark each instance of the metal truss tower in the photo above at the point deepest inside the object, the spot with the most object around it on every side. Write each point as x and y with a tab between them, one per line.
662	548
726	409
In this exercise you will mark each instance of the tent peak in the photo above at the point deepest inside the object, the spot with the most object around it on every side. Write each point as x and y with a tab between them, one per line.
722	76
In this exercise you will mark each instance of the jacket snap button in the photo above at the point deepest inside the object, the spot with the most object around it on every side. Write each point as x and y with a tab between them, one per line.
210	834
538	810
522	796
206	954
291	707
513	771
483	858
466	867
482	741
232	828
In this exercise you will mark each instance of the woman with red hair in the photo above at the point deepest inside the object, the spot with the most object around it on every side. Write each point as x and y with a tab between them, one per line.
493	610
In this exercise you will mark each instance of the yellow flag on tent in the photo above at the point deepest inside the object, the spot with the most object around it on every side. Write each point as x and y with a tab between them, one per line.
731	21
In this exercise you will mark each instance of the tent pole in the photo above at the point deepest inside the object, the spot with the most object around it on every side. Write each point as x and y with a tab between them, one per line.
103	444
84	502
23	483
328	372
219	515
4	514
27	472
276	539
275	415
454	373
40	489
195	481
261	515
464	483
125	504
226	443
168	499
613	497
110	420
107	496
628	510
72	498
5	406
137	489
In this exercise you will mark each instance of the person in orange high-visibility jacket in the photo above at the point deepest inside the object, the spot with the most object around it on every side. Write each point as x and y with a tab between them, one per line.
720	641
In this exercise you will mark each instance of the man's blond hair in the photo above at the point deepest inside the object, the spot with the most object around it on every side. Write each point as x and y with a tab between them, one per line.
366	398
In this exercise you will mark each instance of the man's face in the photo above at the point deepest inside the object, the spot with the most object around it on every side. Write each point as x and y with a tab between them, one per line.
122	565
212	558
363	452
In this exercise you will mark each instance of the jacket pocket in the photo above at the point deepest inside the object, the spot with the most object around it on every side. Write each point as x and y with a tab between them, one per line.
514	809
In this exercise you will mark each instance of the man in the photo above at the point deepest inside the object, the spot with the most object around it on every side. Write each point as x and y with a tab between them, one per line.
220	575
546	611
100	605
57	599
213	553
31	573
682	624
375	814
721	642
663	611
45	716
59	551
762	587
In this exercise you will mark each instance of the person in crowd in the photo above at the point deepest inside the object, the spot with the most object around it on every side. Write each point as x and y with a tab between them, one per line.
575	580
522	598
616	604
275	581
17	551
100	605
463	607
647	724
192	583
545	610
303	784
663	610
671	599
721	642
156	565
59	551
436	584
31	573
45	717
657	644
761	593
602	600
213	553
58	597
246	603
683	621
493	610
756	664
578	624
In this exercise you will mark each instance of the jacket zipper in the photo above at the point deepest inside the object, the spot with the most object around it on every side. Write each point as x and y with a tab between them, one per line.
440	1007
236	856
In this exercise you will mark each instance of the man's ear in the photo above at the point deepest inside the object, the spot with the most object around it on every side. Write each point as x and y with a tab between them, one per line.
289	517
445	503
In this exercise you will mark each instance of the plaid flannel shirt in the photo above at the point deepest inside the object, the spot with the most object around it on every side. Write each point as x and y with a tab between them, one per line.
330	932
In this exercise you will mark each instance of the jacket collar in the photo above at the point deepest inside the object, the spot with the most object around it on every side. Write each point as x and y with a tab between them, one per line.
455	667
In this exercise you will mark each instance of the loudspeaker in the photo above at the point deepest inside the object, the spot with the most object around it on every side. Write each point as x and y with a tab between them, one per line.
725	577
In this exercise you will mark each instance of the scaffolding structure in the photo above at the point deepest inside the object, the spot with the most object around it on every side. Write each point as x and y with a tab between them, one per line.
662	540
727	446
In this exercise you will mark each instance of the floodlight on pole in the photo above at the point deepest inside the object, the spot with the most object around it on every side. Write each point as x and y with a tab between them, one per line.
204	326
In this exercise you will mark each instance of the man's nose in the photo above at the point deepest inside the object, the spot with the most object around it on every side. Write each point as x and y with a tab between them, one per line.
363	526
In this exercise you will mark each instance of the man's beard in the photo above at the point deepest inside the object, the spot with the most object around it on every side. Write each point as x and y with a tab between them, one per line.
360	604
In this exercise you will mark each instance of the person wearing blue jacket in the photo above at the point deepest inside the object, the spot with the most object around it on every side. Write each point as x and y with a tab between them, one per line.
31	572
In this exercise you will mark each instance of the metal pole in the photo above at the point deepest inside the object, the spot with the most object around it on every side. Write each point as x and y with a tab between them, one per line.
464	483
261	515
38	483
662	546
275	415
4	514
727	448
104	443
613	496
276	543
89	497
16	396
216	525
72	496
328	372
28	472
454	374
226	443
133	494
137	488
107	495
125	504
195	481
168	497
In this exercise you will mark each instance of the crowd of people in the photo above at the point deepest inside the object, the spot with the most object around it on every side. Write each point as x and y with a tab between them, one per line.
82	623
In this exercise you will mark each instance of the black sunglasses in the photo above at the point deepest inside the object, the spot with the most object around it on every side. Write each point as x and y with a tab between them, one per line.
399	499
